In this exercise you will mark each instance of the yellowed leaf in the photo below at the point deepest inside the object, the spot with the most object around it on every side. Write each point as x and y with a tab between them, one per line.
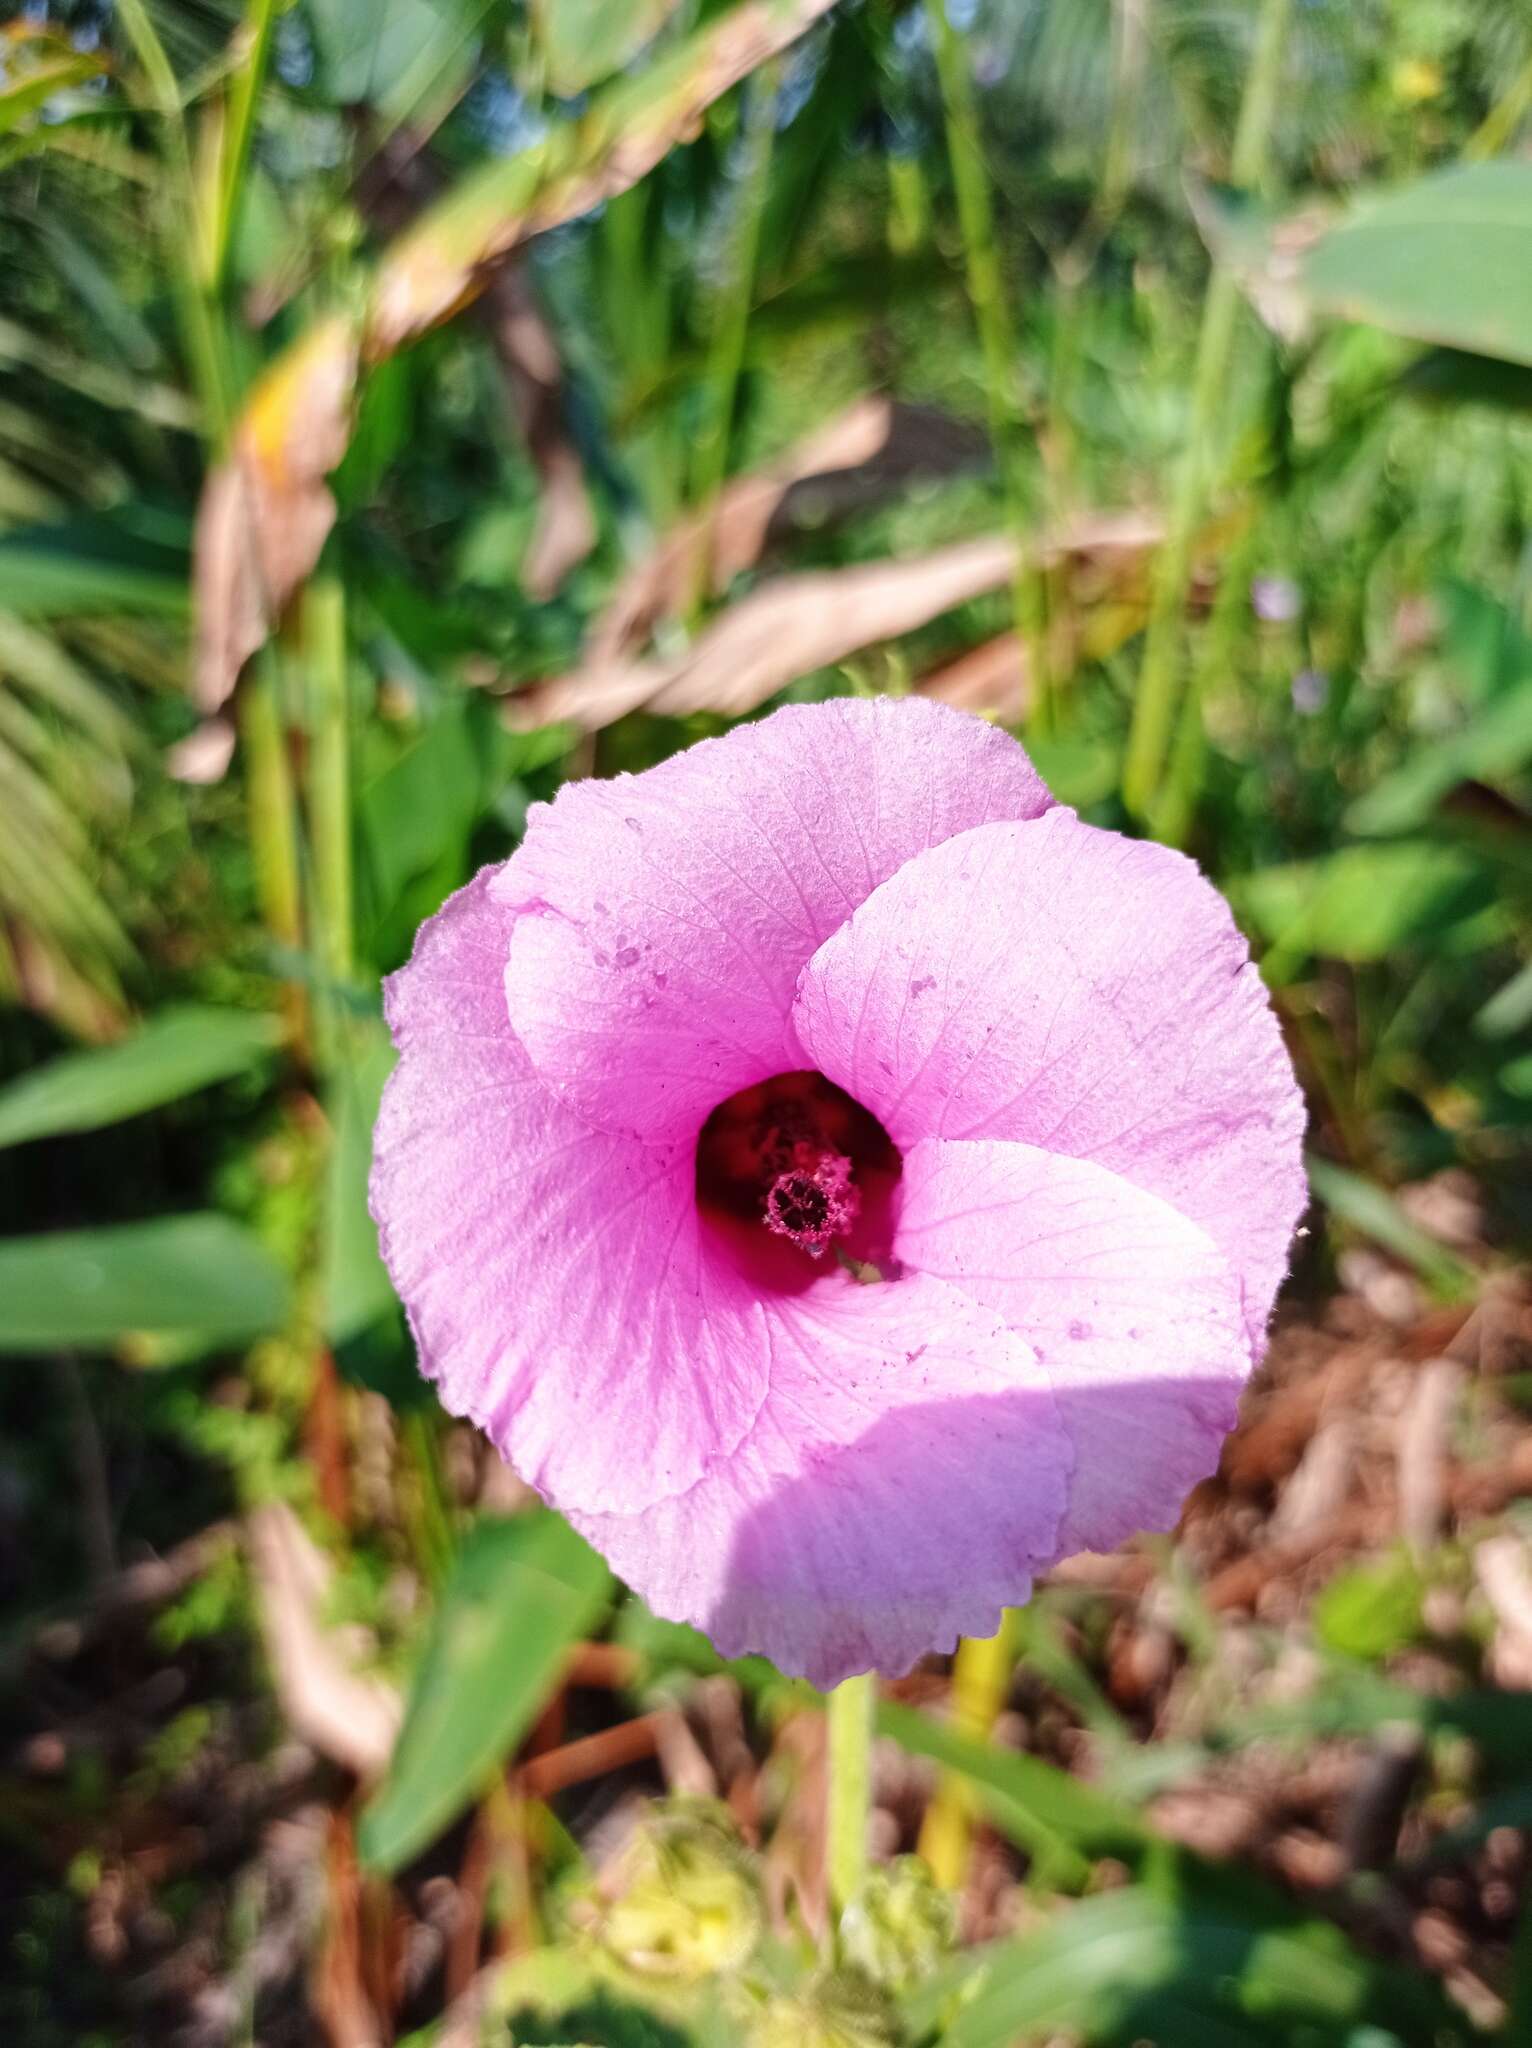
266	510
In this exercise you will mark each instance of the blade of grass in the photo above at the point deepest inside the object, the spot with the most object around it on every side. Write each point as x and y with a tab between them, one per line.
997	336
1160	674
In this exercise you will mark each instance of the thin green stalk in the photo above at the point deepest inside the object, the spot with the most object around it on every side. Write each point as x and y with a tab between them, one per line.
850	1713
329	795
726	351
1500	124
1159	678
181	232
244	93
981	1677
997	337
1176	802
273	839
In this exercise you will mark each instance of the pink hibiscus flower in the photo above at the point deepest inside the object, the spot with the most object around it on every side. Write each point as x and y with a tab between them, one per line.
838	1179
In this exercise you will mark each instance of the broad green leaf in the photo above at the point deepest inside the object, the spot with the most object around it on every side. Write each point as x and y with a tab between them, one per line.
584	41
1373	1211
132	562
423	804
1188	1966
174	1054
1042	1809
1445	259
1373	1609
393	55
199	1276
520	1593
1363	902
356	1286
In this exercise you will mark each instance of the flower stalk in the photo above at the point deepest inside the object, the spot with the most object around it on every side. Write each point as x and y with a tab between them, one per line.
997	338
1154	708
850	1713
981	1677
329	798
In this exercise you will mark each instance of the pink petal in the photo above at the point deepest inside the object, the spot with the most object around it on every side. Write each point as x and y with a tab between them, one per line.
906	1474
1068	988
1132	1310
664	918
560	1287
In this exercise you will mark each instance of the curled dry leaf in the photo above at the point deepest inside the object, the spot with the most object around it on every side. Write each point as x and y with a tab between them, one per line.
266	509
860	456
565	531
782	631
795	624
990	677
444	262
342	1713
204	755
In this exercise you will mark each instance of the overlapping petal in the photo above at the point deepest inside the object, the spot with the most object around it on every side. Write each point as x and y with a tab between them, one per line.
662	920
562	1289
1063	987
1133	1311
906	1474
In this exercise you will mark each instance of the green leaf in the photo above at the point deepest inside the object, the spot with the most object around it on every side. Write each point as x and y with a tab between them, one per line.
1373	1609
1452	376
520	1593
1374	1212
56	73
1509	1009
199	1276
130	562
423	804
357	1289
1365	901
1043	1810
584	41
393	54
1446	259
1494	742
1184	1966
174	1054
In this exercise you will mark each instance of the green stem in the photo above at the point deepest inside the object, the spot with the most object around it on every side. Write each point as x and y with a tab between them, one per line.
726	352
329	796
981	1677
273	838
850	1796
997	337
244	94
1159	678
1176	801
182	227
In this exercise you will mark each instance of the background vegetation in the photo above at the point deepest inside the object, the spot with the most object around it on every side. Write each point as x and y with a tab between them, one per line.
407	404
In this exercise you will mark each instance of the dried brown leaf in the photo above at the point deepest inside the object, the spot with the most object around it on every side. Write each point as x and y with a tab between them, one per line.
444	262
344	1714
795	624
266	509
565	530
858	457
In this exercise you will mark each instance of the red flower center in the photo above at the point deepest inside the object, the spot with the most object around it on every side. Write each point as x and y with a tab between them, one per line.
798	1155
